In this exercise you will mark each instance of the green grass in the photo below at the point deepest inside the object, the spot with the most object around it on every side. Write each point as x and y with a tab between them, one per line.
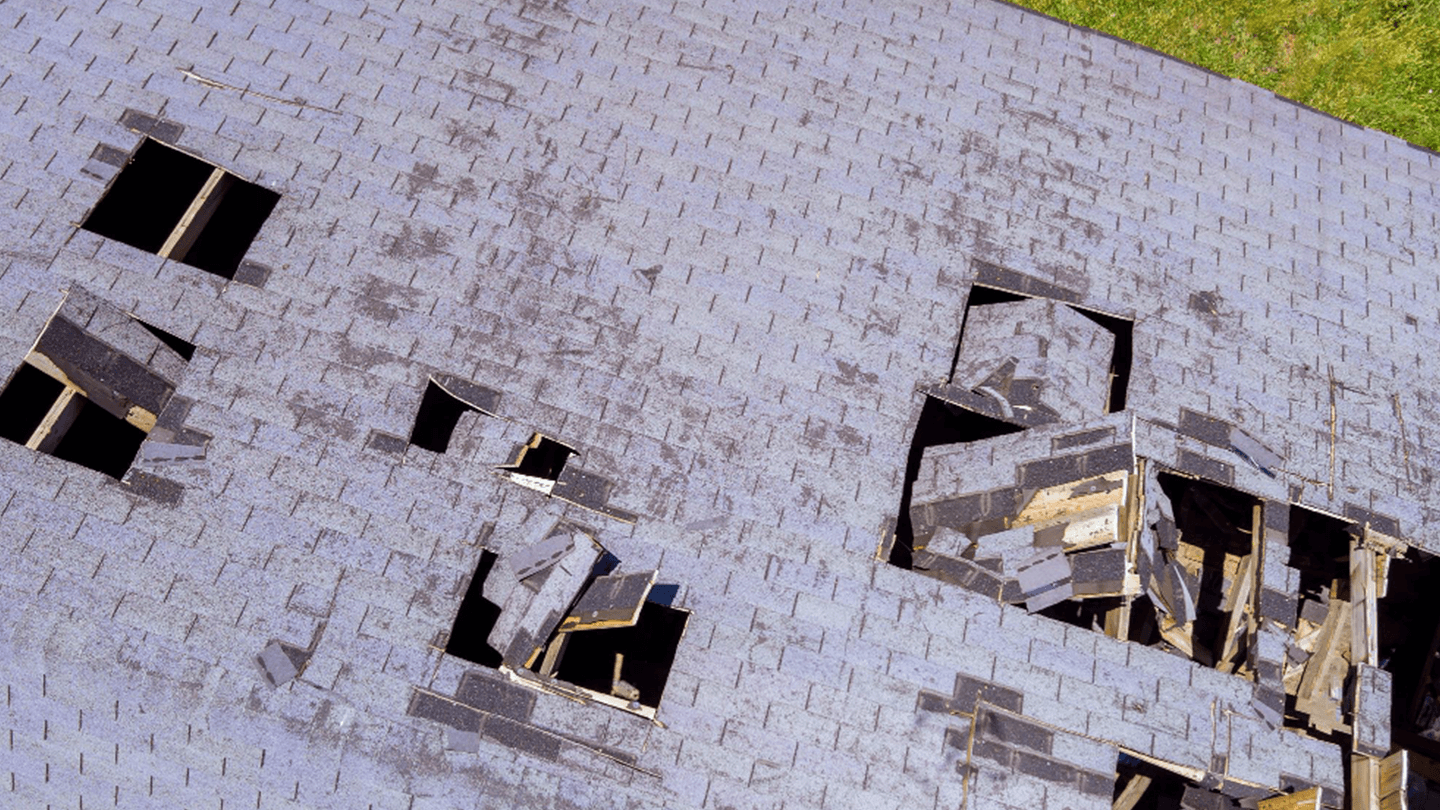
1374	62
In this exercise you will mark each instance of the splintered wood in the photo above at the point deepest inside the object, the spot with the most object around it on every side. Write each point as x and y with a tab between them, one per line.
1204	558
1325	654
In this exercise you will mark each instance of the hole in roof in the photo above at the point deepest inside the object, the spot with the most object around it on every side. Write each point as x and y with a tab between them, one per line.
1409	625
149	196
476	619
168	202
645	650
1215	536
435	422
100	441
25	402
542	457
940	423
238	217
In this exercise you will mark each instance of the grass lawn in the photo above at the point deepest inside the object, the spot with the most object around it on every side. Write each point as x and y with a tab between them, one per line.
1374	62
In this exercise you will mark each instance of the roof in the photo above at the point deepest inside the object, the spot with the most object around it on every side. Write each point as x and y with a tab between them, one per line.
720	251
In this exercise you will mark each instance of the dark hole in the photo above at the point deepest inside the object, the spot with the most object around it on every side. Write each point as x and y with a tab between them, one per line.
101	441
1219	521
435	421
1144	622
1163	791
544	460
649	649
664	594
148	196
1088	614
476	619
25	401
222	243
1409	624
1320	550
940	423
182	347
1122	329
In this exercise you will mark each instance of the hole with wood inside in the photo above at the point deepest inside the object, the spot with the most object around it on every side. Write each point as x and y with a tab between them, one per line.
541	458
1202	573
172	203
85	399
631	662
940	423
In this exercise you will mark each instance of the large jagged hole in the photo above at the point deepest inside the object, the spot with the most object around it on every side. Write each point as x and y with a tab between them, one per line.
1409	624
1206	574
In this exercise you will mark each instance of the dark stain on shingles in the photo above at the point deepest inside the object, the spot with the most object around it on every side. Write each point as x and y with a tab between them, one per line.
849	436
467	136
313	420
422	177
409	245
376	310
465	190
850	374
889	328
1205	303
389	292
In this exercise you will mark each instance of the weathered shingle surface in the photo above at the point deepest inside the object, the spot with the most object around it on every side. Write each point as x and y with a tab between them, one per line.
715	248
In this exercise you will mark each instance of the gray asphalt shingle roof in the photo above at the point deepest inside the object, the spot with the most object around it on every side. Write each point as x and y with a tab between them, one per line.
716	248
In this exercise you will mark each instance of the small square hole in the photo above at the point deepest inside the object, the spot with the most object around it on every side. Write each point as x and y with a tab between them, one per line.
542	457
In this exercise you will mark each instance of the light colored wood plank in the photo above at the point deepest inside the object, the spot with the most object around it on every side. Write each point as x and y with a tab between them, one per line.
200	210
1364	782
57	420
1237	601
48	366
1394	774
1364	630
1299	800
1051	503
1134	791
